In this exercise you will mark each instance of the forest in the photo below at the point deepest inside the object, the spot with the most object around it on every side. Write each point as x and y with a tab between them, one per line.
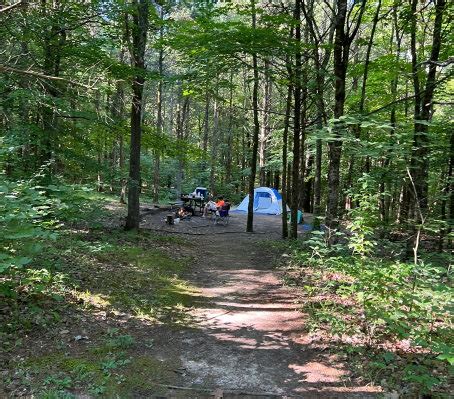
111	111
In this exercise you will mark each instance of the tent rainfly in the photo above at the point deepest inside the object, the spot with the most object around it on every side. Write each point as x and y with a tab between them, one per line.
266	201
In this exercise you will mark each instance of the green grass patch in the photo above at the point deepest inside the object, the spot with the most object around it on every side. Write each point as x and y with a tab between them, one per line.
104	372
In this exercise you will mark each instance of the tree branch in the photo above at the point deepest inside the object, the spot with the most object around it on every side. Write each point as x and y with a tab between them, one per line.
5	68
10	7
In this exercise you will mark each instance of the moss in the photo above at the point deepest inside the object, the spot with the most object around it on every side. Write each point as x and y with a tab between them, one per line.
143	374
149	260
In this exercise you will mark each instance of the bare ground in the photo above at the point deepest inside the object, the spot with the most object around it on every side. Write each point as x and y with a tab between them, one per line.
248	334
241	335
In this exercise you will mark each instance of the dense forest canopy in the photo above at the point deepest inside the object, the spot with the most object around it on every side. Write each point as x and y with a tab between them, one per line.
343	106
360	90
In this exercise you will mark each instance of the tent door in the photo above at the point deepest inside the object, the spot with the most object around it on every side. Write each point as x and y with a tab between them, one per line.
262	200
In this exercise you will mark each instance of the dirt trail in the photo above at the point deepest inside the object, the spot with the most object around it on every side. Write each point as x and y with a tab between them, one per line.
249	333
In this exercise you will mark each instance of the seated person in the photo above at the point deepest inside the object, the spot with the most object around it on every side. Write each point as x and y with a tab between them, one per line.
184	212
209	207
224	210
220	202
189	209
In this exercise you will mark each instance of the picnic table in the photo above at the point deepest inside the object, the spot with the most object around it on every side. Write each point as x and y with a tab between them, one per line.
194	201
176	204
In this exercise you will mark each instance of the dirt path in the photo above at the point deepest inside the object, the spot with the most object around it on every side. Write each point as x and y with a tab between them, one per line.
249	334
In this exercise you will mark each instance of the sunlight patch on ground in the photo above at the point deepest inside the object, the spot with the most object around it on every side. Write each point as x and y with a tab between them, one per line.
265	342
229	373
90	298
317	372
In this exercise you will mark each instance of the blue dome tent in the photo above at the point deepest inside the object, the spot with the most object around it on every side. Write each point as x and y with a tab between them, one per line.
267	201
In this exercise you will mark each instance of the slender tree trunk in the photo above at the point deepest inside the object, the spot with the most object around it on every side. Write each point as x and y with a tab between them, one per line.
214	146
321	64
423	106
362	100
276	180
54	41
341	53
289	178
255	137
335	146
307	204
288	109
206	125
450	193
228	155
296	126
159	119
265	128
139	39
181	115
385	198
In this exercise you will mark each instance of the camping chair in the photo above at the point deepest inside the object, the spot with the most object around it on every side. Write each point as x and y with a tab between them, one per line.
223	215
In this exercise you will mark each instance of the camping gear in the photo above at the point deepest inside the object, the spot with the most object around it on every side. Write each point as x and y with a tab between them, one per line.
200	192
299	217
266	201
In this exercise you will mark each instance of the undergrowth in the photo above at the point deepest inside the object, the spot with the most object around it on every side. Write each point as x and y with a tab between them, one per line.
63	270
391	318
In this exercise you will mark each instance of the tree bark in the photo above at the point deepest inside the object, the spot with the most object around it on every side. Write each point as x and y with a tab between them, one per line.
255	136
419	164
385	198
181	127
159	118
139	40
335	146
54	40
288	109
296	126
265	128
214	147
206	126
228	155
321	64
341	53
362	101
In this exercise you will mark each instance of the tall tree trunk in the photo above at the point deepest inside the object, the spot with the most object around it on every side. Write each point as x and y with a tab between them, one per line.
304	96
214	146
288	109
342	42
423	106
206	125
335	146
139	40
121	144
265	128
296	126
228	155
255	136
307	203
362	101
181	128
159	119
385	198
54	41
451	192
321	64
